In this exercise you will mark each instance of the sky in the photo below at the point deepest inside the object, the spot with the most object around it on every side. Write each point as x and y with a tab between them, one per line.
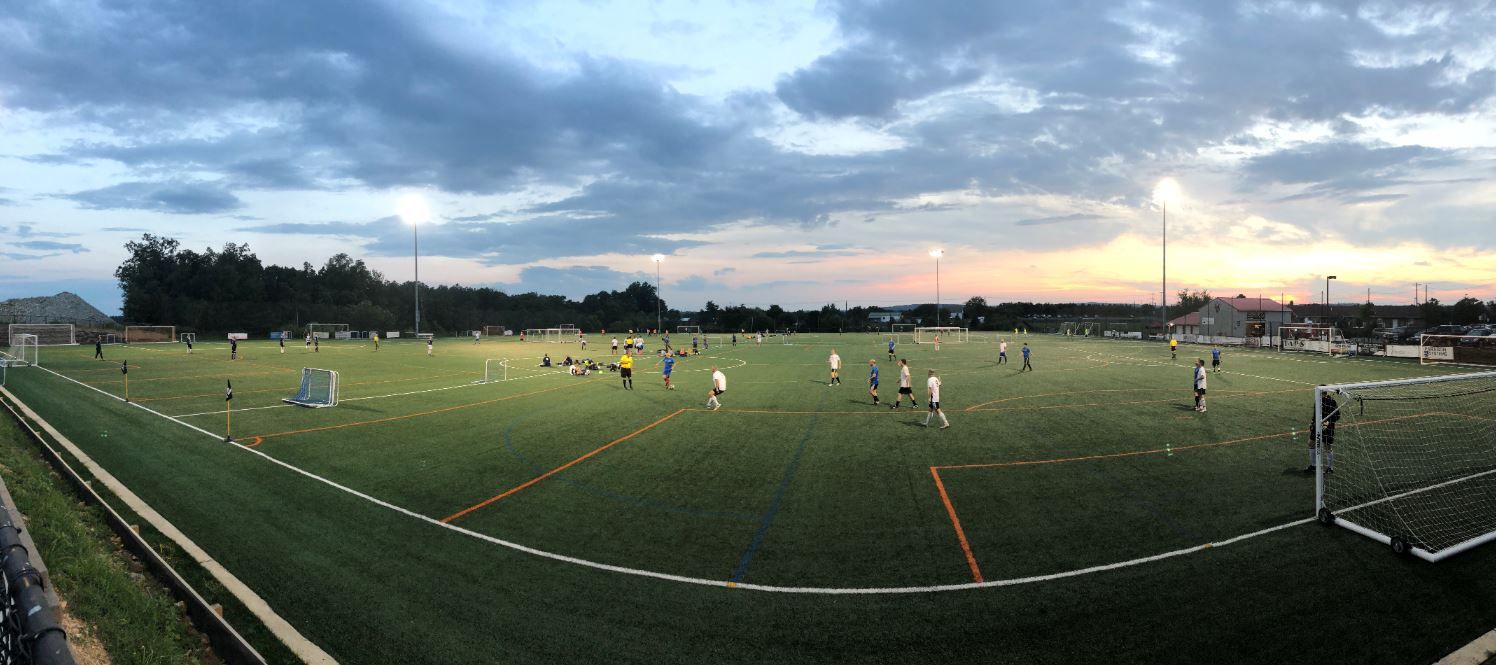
799	153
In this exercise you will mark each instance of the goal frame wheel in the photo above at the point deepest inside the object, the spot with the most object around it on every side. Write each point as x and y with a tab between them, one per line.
1400	547
1325	516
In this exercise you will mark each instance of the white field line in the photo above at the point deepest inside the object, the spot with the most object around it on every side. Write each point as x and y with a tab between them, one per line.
355	399
710	582
282	629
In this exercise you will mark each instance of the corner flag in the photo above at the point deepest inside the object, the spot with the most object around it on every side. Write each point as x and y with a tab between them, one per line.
228	393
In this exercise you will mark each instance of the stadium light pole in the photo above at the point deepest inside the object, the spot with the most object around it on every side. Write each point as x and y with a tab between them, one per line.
657	259
413	209
937	253
1327	298
1167	190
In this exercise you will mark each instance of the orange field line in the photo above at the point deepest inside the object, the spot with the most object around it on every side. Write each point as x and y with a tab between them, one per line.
561	468
971	559
408	416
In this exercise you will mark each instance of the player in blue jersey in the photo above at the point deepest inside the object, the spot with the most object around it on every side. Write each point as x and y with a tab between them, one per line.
1026	365
890	348
669	365
1215	359
872	380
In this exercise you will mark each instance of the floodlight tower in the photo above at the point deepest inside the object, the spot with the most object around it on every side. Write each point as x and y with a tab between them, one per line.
658	258
1167	190
937	253
413	209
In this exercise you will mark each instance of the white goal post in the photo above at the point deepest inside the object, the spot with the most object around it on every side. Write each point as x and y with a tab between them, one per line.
495	370
47	334
493	331
1410	463
548	334
1319	339
150	334
1457	350
948	334
22	351
688	330
327	330
319	388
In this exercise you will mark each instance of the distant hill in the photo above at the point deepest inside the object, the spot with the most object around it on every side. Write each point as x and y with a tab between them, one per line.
65	307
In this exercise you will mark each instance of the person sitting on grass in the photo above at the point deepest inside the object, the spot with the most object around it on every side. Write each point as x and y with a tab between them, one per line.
546	361
567	362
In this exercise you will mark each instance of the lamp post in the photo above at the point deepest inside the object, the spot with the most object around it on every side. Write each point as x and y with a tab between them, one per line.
657	259
1327	303
413	210
1166	190
937	253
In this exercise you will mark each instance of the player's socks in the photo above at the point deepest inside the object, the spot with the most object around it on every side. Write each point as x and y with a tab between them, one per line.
943	422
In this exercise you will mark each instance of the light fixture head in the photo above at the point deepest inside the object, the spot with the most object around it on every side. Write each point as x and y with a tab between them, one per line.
1166	191
937	253
658	258
413	208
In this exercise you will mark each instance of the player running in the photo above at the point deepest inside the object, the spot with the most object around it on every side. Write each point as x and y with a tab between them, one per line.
872	379
719	386
932	393
835	362
906	386
1200	385
626	371
98	349
1002	352
666	369
1215	359
283	344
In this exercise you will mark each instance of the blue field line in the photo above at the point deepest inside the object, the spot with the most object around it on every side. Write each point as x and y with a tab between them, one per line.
736	516
784	485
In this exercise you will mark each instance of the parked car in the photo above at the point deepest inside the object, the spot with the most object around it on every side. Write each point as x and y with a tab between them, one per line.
1473	337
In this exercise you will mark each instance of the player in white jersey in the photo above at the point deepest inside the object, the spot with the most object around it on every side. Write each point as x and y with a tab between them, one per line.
719	386
1002	352
932	390
906	386
1200	385
835	362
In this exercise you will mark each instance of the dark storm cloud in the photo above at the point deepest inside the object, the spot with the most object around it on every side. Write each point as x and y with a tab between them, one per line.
176	197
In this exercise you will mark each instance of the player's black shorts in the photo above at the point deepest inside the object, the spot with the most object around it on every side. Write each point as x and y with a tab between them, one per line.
934	406
906	390
872	384
1002	354
1200	392
626	372
1215	362
717	391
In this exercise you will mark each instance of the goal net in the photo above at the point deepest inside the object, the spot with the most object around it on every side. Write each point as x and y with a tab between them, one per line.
1319	339
948	335
319	388
1413	461
150	334
47	334
495	370
22	351
688	330
493	331
903	332
327	330
1457	349
546	334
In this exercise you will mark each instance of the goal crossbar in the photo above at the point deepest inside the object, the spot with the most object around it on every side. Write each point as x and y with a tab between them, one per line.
47	334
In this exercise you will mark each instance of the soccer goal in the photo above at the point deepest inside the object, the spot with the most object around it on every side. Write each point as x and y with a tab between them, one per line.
327	330
1413	461
495	370
1457	350
109	338
319	388
948	335
688	330
1318	339
189	338
47	334
493	331
150	334
552	335
903	333
22	351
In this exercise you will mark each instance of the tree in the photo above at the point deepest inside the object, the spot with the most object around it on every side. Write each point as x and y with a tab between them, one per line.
1434	314
1467	311
976	310
1189	301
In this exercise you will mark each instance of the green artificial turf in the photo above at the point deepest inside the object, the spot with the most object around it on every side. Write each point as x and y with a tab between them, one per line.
1095	458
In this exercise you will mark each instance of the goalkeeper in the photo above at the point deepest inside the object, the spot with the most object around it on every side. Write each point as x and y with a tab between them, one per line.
1324	427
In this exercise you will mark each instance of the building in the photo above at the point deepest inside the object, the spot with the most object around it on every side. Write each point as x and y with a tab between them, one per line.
1189	324
1240	320
1350	315
885	316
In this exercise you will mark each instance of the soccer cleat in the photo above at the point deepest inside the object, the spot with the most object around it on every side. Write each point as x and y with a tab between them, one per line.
946	426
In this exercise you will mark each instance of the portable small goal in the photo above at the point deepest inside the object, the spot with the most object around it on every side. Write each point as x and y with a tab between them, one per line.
319	388
1413	461
150	334
1457	350
22	351
495	370
47	334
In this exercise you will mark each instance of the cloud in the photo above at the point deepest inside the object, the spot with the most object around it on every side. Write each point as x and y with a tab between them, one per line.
174	197
15	256
125	229
6	202
573	282
802	254
29	231
50	246
1060	219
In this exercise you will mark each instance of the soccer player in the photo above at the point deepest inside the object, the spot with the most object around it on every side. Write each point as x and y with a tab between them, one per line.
233	349
932	393
98	349
1215	359
628	344
1173	349
937	341
1002	352
665	342
669	365
189	345
835	362
283	344
890	348
758	339
615	345
375	337
906	386
583	339
1200	385
694	349
430	341
316	345
626	371
545	360
1026	365
872	379
719	386
639	345
477	336
309	341
1325	429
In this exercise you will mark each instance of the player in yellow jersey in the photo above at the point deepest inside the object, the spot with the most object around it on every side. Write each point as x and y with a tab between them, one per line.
626	371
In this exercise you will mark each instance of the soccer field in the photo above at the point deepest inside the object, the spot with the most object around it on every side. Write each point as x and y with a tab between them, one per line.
1082	511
